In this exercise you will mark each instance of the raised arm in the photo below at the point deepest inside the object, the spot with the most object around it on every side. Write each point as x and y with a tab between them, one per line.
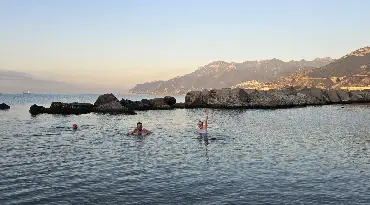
206	121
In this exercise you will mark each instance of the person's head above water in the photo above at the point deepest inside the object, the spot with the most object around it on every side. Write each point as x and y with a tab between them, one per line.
203	125
200	124
74	126
139	126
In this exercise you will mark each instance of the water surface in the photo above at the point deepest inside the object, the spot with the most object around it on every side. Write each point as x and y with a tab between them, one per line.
312	155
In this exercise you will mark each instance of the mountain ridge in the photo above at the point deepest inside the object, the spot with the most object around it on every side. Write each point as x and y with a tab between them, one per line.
219	74
350	71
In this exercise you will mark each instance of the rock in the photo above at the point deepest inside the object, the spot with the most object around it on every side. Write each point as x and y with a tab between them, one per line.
260	99
284	98
249	91
146	104
274	98
79	108
105	99
365	95
159	104
4	106
179	105
226	98
132	105
70	108
35	109
217	98
130	112
169	100
343	95
333	96
355	97
317	93
196	99
108	103
113	107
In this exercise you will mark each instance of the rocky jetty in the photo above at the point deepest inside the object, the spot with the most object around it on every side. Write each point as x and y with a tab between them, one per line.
282	98
4	106
106	103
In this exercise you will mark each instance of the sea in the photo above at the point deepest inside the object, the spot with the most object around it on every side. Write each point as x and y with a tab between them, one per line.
309	155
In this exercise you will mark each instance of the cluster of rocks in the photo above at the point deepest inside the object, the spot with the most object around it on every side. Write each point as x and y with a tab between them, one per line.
165	103
4	106
216	98
282	98
107	103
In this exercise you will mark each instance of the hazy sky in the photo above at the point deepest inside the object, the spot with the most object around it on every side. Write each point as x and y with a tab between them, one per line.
121	43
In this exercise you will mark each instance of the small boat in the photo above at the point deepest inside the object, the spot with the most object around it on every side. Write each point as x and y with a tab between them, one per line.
28	92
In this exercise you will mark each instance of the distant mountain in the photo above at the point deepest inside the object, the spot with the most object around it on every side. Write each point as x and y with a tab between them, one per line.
351	70
221	74
148	87
18	82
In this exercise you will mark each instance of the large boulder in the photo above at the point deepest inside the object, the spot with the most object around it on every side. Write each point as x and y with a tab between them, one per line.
317	93
197	99
146	104
169	100
262	99
333	96
365	95
113	107
4	106
108	103
159	104
105	99
355	96
227	98
287	97
35	109
132	105
343	96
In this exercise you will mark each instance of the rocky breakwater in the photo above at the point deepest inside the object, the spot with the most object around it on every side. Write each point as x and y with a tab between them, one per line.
106	103
282	98
166	103
4	106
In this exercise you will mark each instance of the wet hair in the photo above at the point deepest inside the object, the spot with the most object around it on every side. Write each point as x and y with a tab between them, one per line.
200	122
139	123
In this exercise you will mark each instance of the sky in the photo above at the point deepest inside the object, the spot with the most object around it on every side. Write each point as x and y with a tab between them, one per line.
121	43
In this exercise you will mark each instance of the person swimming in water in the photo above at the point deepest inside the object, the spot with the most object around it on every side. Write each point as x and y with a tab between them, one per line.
139	130
203	125
74	127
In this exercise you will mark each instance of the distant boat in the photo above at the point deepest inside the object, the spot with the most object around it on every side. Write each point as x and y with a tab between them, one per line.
28	92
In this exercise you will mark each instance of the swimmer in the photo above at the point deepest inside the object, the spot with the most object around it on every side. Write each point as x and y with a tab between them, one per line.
74	126
203	126
139	130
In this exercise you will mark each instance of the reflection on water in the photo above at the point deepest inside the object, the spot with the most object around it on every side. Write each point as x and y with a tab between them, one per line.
313	155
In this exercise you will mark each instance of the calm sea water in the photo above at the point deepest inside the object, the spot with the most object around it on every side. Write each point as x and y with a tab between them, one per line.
312	155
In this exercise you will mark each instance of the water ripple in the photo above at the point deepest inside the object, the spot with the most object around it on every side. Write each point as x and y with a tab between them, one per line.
313	155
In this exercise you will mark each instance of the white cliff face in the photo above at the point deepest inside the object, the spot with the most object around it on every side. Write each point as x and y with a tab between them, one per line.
326	59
